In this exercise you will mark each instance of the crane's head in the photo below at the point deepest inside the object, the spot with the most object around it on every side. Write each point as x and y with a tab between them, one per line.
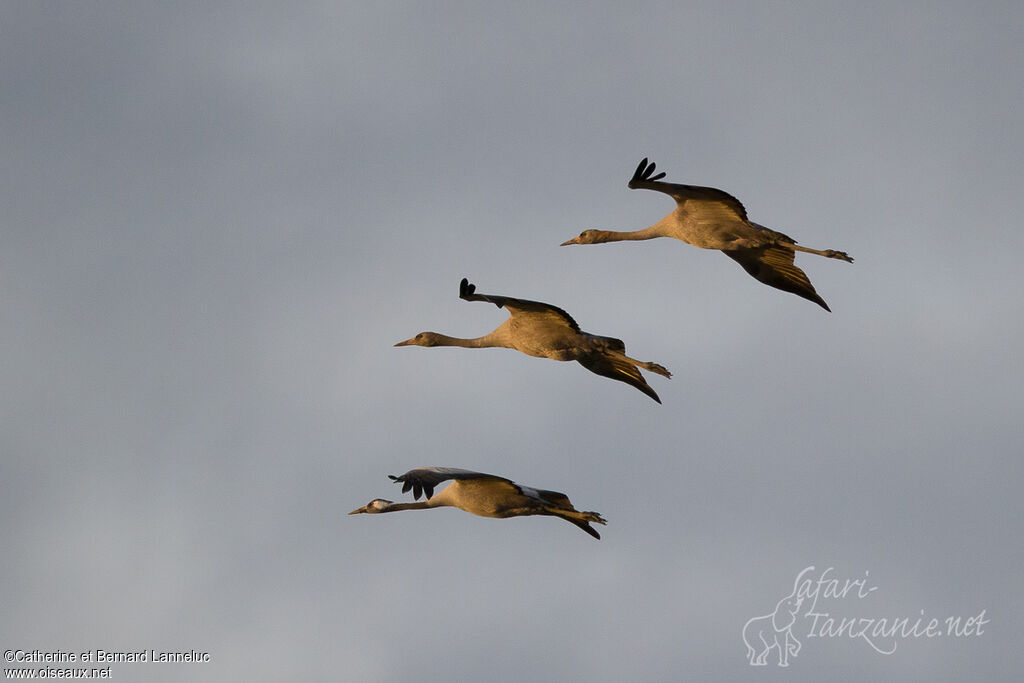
585	237
422	339
373	507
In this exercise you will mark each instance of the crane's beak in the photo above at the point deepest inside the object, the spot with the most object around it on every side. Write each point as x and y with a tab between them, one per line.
574	240
407	342
360	510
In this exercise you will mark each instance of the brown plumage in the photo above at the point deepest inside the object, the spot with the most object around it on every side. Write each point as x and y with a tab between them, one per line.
481	494
713	219
546	331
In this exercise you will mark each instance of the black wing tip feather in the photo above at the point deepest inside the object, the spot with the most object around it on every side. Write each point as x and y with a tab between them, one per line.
641	167
466	288
418	487
644	172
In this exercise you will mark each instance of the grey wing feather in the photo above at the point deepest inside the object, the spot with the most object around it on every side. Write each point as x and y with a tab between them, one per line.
709	198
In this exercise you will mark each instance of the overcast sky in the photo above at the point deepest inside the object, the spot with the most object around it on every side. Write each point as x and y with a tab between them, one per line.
218	219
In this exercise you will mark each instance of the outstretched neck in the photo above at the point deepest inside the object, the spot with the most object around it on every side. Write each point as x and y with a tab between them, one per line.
491	340
659	229
418	505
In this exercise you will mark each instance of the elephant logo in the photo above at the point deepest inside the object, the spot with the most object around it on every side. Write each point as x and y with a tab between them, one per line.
774	631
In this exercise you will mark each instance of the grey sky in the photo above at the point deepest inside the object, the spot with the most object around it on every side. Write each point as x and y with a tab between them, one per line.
219	218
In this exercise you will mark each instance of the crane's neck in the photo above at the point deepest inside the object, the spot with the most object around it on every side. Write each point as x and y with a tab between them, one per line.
494	339
659	229
418	505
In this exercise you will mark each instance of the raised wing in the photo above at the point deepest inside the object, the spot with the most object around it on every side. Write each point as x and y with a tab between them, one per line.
773	265
708	202
553	314
424	479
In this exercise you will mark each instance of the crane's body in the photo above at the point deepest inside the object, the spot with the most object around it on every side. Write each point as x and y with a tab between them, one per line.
713	219
485	495
545	331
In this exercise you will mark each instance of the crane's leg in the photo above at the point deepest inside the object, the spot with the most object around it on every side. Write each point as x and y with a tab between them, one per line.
652	367
580	519
827	253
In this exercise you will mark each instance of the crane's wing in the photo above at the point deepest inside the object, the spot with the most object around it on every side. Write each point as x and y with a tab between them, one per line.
773	265
617	367
707	203
424	479
519	307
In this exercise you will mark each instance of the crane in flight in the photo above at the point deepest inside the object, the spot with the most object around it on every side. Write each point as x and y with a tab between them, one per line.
712	219
546	331
481	494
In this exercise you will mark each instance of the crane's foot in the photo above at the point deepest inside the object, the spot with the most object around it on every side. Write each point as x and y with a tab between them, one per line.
594	517
660	369
841	255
